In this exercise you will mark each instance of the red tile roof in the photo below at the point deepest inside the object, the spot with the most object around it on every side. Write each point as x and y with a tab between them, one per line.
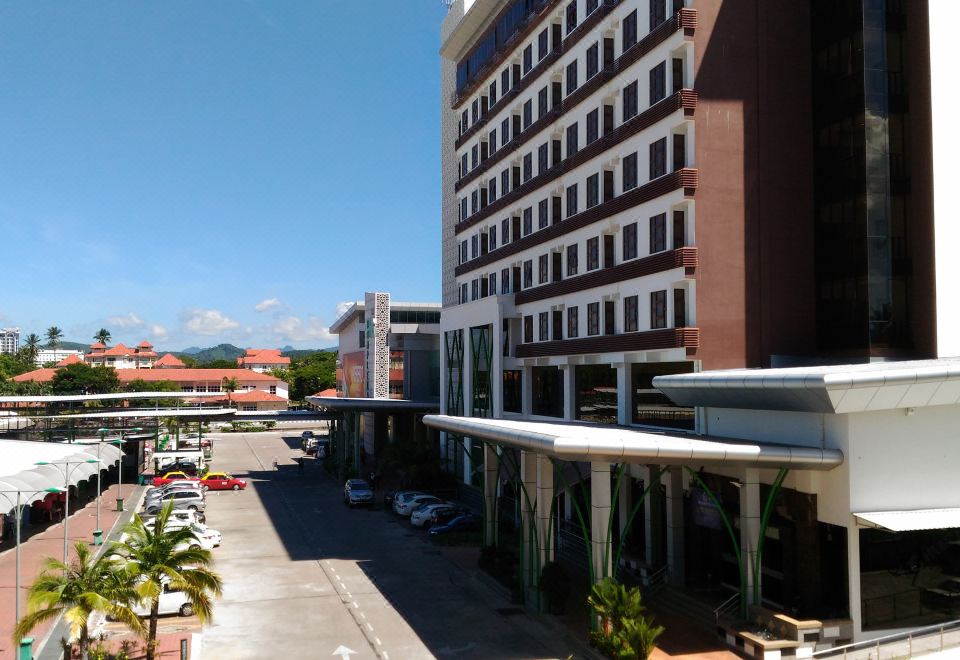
169	360
97	344
70	359
330	392
262	356
255	396
144	344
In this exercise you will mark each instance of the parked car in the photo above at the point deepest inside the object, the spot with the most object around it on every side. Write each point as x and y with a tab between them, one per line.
222	481
207	537
182	516
182	499
421	515
408	507
357	491
171	602
169	476
185	466
444	514
170	485
402	496
169	494
462	523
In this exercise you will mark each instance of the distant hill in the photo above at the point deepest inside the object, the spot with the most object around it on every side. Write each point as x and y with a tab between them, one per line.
303	352
72	345
231	352
193	350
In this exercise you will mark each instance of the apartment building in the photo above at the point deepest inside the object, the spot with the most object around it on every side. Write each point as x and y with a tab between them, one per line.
9	340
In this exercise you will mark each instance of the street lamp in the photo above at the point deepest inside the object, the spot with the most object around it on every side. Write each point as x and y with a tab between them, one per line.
17	512
119	443
67	471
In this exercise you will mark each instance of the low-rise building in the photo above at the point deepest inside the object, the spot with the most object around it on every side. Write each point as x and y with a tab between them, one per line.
263	360
142	356
47	355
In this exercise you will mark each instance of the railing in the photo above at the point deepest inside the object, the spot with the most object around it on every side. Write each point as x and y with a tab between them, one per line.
657	579
891	607
927	639
726	607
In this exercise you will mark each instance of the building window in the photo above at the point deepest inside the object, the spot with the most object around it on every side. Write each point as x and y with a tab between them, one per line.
631	321
528	329
463	251
557	325
593	125
493	92
596	393
548	391
542	216
505	130
658	309
527	167
571	16
475	290
527	114
505	230
572	257
572	134
505	80
544	326
679	308
679	230
649	406
528	221
504	182
463	299
543	158
609	317
658	13
527	59
630	171
273	389
593	190
593	319
658	233
571	200
679	151
542	103
493	238
505	281
492	188
630	241
592	6
658	158
629	30
593	60
474	244
543	269
593	253
572	77
543	44
630	103
573	322
362	340
512	390
493	140
463	209
658	82
528	273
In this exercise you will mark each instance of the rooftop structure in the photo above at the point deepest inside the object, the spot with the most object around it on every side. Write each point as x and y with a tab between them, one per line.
263	359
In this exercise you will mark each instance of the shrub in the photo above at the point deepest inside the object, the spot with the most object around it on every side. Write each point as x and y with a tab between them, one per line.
625	633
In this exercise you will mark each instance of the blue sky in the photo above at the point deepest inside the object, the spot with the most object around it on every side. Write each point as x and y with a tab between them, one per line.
197	172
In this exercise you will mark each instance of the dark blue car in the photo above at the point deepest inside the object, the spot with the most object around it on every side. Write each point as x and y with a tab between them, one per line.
462	523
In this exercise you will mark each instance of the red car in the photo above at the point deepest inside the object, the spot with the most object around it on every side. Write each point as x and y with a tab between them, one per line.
172	476
222	481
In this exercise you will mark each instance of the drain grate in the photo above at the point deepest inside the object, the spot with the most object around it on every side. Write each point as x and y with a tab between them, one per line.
509	611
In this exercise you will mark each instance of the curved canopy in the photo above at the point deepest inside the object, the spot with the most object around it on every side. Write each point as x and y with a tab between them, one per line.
32	467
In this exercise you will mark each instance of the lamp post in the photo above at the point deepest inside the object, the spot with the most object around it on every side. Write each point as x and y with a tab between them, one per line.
17	513
68	468
119	443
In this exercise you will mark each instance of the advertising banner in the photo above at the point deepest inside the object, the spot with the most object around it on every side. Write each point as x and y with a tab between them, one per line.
354	374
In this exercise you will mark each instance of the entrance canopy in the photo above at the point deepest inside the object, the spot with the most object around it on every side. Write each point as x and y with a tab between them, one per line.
909	521
591	442
19	470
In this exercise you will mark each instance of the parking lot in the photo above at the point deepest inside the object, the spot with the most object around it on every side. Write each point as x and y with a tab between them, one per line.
307	577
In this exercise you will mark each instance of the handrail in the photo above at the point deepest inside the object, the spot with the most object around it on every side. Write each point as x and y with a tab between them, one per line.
726	606
896	637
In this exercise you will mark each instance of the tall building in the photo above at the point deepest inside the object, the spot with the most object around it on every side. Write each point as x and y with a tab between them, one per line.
9	340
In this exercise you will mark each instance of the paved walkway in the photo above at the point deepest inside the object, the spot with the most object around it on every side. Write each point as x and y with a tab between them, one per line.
48	543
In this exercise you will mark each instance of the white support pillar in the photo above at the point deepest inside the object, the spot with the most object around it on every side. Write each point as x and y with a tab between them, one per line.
544	506
675	526
496	368
853	580
466	374
623	393
600	518
569	372
490	487
749	526
528	513
653	529
526	390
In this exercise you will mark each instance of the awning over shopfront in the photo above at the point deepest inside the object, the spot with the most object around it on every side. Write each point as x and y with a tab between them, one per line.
909	521
590	442
29	467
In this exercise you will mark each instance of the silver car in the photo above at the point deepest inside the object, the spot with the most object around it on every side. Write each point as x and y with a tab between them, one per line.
182	500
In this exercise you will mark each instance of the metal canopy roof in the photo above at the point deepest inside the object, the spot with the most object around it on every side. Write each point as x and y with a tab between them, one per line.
19	470
68	398
826	389
373	405
590	442
908	521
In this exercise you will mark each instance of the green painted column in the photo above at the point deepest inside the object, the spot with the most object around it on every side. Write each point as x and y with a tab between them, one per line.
25	652
600	505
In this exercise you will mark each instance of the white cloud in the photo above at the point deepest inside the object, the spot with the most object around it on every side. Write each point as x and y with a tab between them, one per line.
268	304
293	328
130	320
159	333
207	322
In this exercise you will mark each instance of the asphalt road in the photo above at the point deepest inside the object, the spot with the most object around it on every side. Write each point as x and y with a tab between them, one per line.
307	577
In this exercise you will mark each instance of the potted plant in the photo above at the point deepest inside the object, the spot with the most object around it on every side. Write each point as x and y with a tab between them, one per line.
555	585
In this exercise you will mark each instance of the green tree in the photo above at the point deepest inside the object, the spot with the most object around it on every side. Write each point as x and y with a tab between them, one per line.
31	347
103	336
140	385
190	361
157	557
80	378
310	374
218	364
54	335
230	385
76	590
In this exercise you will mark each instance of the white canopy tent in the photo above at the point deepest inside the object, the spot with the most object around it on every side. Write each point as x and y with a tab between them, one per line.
19	469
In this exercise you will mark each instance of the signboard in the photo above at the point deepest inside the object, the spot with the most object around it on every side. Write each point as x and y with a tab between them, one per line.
354	374
705	513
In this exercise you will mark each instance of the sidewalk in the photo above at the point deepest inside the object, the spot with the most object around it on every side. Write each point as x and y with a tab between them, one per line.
48	543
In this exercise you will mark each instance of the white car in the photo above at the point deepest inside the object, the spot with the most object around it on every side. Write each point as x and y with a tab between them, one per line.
171	602
406	508
421	516
402	496
187	516
208	538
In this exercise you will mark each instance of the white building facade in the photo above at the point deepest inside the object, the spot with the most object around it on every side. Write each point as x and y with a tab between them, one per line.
9	340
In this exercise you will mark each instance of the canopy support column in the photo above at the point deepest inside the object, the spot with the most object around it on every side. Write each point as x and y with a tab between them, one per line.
600	518
489	493
675	526
750	530
545	510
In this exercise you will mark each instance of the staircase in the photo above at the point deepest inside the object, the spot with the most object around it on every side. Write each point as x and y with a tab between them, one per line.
698	612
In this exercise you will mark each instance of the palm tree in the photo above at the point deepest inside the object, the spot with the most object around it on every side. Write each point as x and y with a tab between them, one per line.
86	585
230	385
158	557
31	347
54	335
103	336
